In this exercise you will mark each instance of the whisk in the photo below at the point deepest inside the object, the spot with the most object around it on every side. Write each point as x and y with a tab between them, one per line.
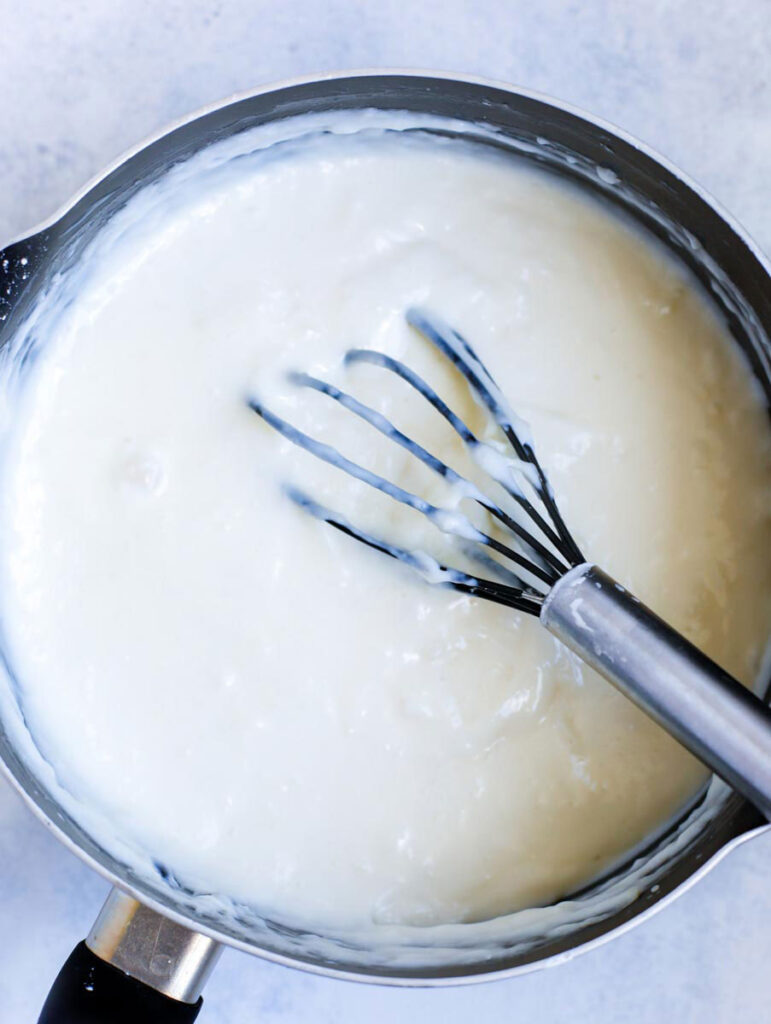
543	571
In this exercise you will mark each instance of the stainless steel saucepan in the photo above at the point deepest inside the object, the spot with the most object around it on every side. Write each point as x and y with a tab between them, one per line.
154	943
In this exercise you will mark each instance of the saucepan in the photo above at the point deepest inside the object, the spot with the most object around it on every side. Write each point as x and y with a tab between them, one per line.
154	942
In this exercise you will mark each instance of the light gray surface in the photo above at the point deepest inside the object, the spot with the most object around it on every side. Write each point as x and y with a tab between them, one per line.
80	81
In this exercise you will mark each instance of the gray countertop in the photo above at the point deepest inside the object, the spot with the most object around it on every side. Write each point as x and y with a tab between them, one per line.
83	80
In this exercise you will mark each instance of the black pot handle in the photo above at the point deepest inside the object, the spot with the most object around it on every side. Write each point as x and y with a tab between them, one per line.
90	991
136	967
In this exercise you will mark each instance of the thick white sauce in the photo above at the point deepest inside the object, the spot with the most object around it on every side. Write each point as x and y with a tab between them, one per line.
277	715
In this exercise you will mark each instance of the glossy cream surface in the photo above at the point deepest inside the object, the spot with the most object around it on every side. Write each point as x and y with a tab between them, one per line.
275	714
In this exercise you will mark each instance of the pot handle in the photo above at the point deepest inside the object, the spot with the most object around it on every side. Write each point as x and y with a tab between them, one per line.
88	990
135	967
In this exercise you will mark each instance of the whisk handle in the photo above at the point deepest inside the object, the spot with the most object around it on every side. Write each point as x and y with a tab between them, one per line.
707	710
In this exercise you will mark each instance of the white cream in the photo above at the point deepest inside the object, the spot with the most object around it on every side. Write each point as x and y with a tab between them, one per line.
277	715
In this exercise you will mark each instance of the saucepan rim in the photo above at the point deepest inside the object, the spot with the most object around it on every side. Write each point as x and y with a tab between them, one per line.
750	823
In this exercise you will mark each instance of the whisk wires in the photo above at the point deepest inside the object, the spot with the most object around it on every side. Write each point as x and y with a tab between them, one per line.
541	548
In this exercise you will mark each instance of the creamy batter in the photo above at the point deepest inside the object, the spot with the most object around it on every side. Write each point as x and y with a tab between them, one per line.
258	704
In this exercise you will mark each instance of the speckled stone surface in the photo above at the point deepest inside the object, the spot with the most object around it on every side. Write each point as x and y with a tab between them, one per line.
83	80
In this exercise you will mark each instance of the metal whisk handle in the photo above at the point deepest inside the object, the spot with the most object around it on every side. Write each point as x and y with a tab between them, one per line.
707	710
